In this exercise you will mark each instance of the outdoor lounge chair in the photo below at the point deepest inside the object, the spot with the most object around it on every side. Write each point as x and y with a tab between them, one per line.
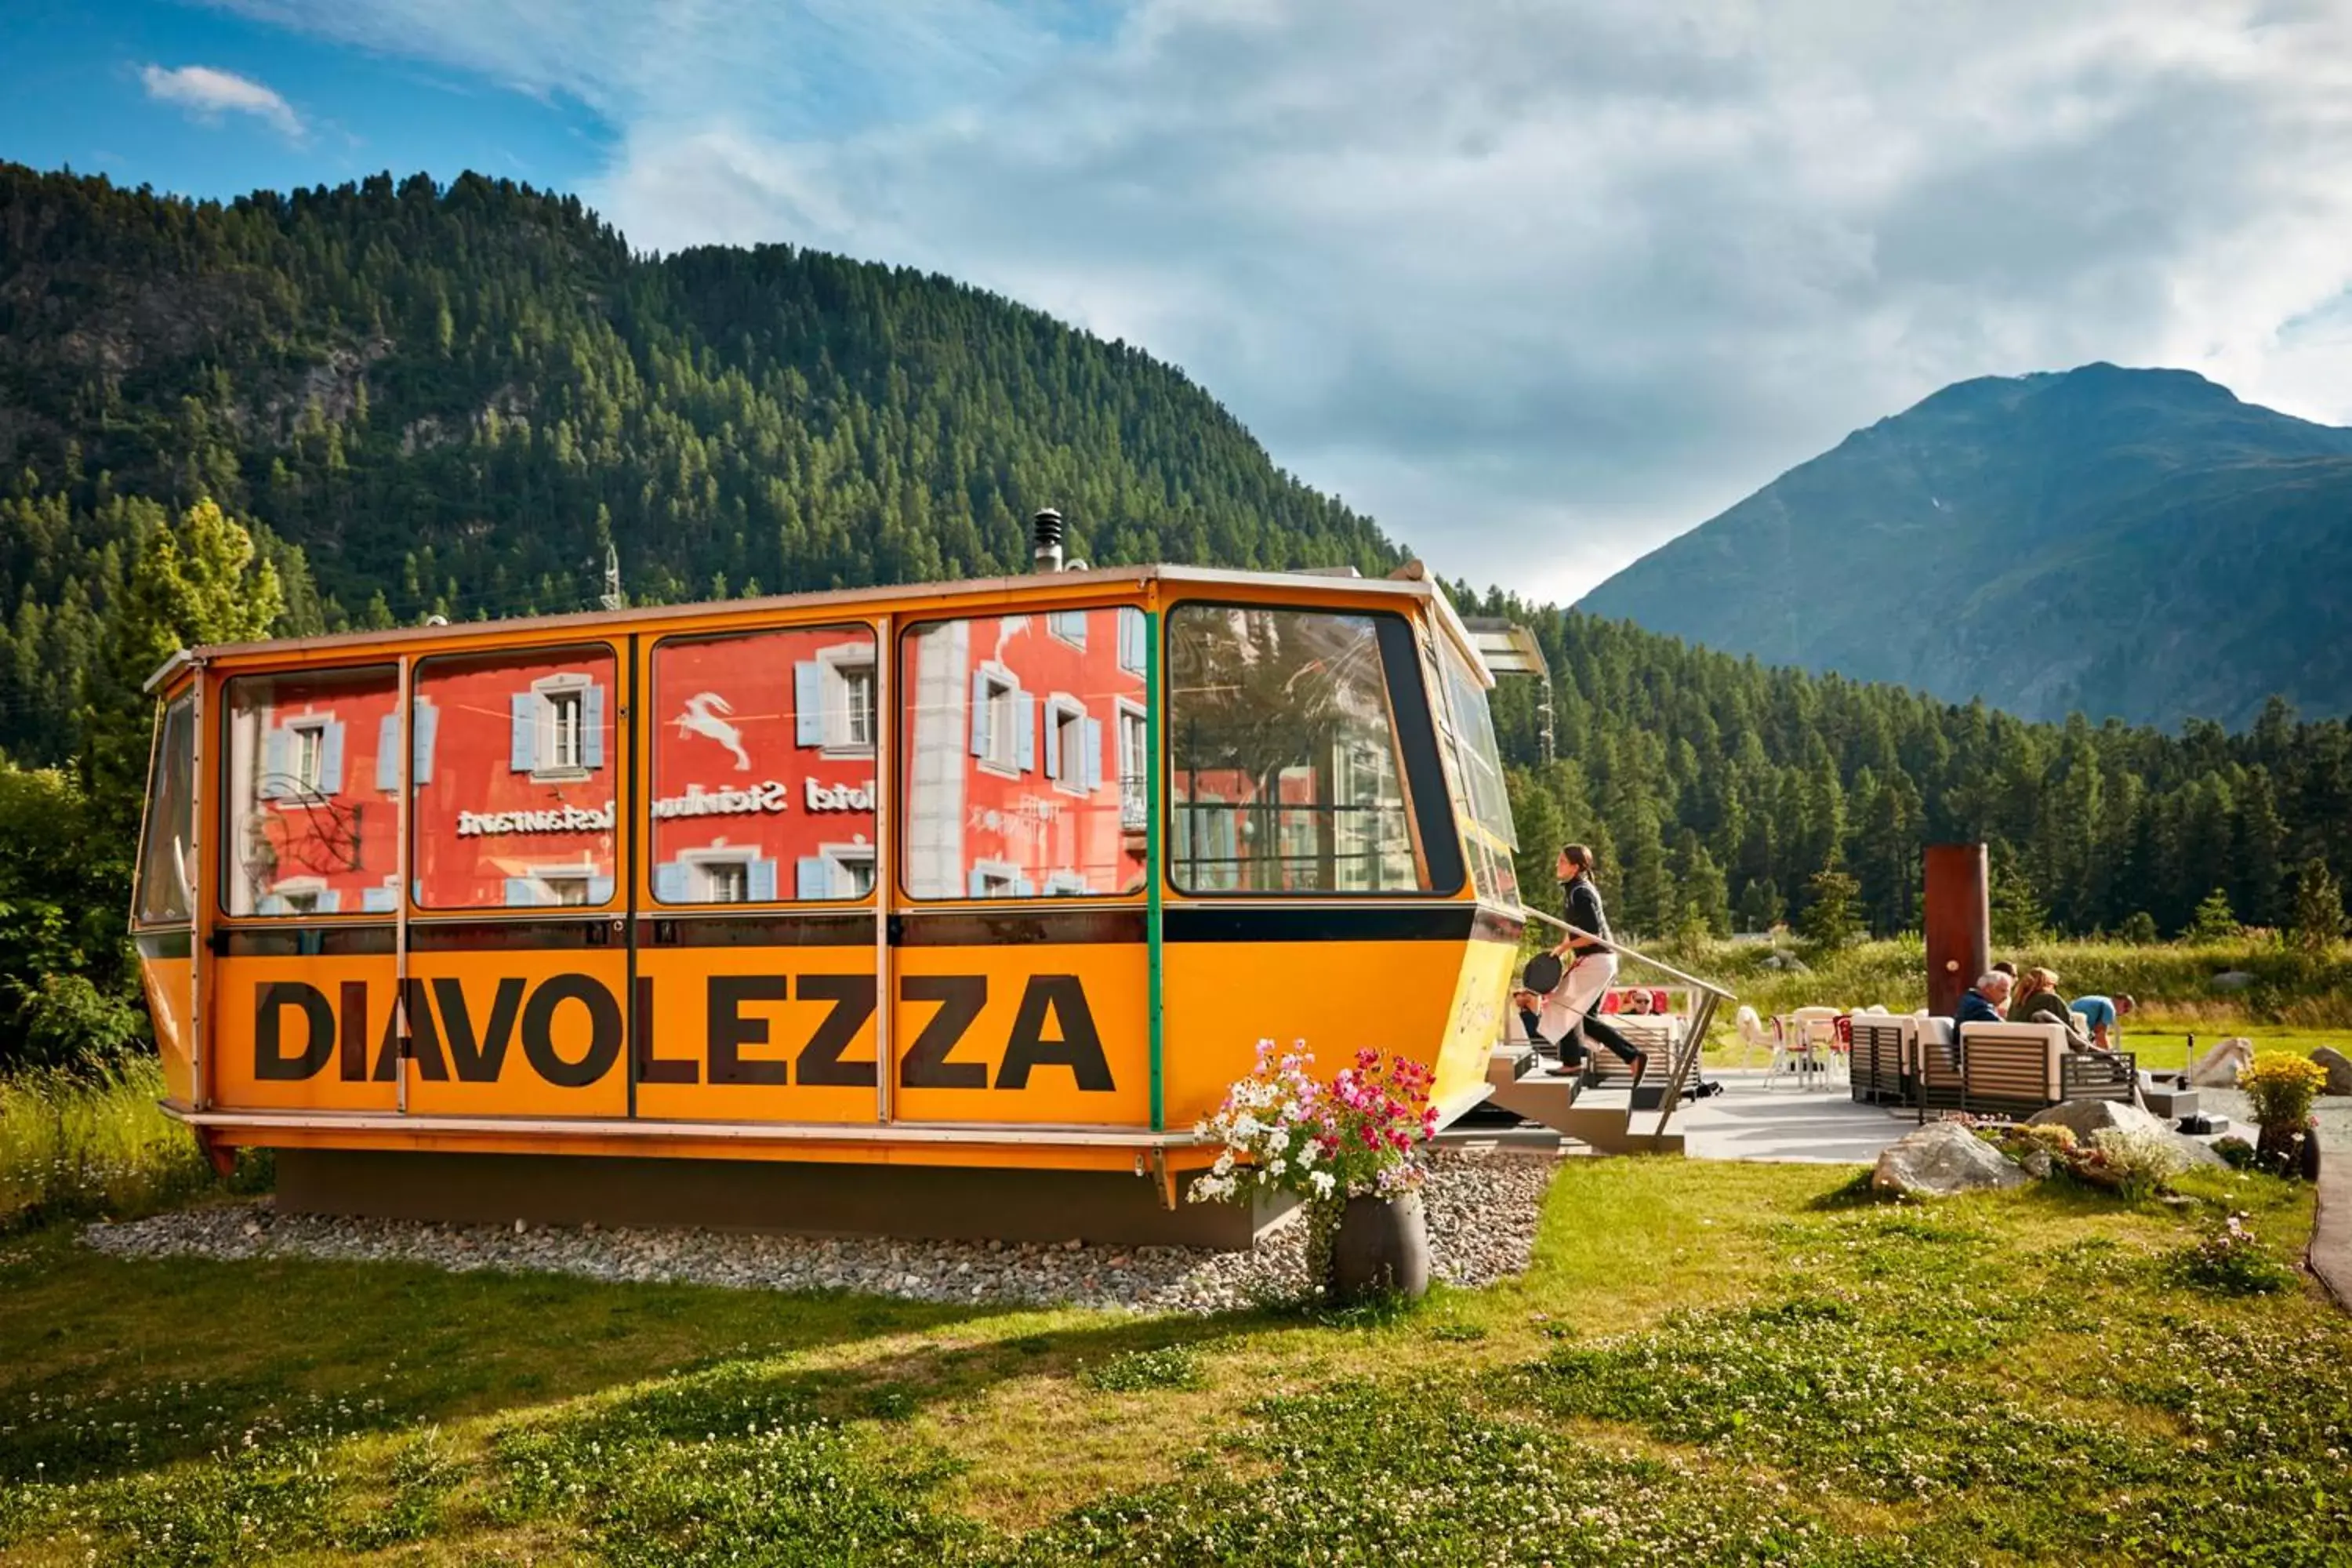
1935	1067
2016	1069
2099	1075
1882	1049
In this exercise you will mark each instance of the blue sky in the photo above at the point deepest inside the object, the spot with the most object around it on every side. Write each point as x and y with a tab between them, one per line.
1538	285
78	98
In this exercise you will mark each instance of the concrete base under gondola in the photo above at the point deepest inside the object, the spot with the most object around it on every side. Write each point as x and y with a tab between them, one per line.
937	1202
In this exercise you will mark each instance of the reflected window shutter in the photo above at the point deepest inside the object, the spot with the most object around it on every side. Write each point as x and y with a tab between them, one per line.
330	903
1130	638
592	739
1053	746
1025	716
330	759
274	765
387	753
978	880
524	742
760	885
519	893
979	714
600	890
425	720
812	877
270	904
670	882
1090	777
376	901
1073	626
808	703
1022	888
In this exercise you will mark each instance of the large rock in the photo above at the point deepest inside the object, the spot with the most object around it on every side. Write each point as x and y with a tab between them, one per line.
1943	1158
2233	979
2084	1117
2339	1070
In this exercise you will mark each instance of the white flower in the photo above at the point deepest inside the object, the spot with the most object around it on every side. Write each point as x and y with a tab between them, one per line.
1323	1183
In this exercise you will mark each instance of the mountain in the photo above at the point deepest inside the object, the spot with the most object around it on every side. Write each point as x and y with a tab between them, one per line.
2135	543
451	399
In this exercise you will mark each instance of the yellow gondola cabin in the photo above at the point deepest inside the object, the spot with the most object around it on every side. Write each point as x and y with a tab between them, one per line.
611	916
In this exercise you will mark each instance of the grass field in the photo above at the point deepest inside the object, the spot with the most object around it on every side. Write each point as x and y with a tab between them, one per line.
1708	1363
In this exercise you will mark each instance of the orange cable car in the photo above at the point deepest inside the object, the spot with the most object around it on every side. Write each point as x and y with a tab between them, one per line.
613	917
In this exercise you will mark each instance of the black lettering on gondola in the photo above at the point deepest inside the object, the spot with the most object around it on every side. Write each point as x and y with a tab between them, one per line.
270	1061
729	1031
1079	1048
423	1040
605	1030
852	997
960	998
477	1059
651	1068
352	1066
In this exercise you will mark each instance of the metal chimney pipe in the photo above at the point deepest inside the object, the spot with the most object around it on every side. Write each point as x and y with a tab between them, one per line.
1046	553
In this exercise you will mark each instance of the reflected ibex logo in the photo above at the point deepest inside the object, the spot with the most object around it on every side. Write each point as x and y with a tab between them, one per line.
703	717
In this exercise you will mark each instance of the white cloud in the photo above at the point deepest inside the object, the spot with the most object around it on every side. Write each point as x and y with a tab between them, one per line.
208	94
1536	286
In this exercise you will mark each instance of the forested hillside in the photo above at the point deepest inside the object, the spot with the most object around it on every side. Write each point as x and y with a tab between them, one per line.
1720	787
2135	542
424	400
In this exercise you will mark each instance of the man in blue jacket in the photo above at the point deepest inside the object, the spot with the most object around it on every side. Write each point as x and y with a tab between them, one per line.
1984	1001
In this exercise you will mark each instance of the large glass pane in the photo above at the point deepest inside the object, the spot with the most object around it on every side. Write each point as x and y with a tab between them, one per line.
763	766
167	873
311	781
1287	777
516	770
1479	766
1022	755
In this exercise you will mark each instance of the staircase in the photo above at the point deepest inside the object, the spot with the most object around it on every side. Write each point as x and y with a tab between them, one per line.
1603	1117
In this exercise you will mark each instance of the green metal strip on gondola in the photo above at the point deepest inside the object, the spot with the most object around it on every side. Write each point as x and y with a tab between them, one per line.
1153	788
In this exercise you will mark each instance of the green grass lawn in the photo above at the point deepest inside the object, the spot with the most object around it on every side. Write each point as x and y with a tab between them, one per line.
1708	1363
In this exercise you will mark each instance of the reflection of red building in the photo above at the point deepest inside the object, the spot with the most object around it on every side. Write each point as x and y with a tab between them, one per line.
763	780
516	779
1024	777
1026	741
311	819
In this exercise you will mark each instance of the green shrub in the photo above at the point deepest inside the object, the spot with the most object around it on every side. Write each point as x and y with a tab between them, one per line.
2236	1153
2131	1164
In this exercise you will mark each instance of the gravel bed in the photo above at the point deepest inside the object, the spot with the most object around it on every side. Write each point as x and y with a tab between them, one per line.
1483	1209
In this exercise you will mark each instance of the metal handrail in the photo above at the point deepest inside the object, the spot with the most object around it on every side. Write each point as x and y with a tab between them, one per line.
1716	991
1694	1039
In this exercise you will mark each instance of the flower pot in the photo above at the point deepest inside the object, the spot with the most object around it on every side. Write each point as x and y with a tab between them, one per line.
2310	1164
1382	1247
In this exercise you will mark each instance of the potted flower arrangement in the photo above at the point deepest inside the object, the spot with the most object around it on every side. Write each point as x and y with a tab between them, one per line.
1349	1146
2282	1087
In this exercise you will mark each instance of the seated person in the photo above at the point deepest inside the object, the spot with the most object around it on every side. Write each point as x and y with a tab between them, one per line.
1636	1002
2041	1003
1983	1002
2099	1015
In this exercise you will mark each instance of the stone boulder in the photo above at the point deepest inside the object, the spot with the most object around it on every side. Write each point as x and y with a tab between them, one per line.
1943	1158
2084	1117
2339	1070
2233	979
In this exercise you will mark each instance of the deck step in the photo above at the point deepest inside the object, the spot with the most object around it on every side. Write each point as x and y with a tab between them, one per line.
1600	1119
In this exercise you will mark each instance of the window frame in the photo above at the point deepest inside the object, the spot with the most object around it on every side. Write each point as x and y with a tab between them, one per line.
1004	696
612	676
856	644
1134	783
557	694
375	678
1062	712
179	864
1434	838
